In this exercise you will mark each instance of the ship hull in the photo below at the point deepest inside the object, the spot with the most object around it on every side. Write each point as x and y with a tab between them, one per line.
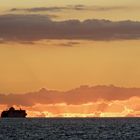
12	113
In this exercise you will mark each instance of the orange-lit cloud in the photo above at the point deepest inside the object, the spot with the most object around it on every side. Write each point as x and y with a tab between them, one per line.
98	101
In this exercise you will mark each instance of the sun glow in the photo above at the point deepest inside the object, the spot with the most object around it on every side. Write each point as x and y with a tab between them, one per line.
126	108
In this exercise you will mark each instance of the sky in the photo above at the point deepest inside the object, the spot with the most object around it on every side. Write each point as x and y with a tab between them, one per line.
63	45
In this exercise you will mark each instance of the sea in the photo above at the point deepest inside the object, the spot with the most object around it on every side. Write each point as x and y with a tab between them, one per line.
69	128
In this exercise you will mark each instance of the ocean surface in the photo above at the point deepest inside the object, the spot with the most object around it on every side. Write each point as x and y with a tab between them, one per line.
70	129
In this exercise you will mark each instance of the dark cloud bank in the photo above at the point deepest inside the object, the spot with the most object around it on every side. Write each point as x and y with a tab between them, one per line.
37	27
81	95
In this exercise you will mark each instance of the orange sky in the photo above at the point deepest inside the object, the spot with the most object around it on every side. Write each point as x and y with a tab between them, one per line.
63	45
30	67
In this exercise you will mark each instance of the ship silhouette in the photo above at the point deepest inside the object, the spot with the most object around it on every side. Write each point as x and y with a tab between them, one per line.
13	113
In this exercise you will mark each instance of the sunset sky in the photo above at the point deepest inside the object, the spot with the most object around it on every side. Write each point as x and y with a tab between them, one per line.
61	45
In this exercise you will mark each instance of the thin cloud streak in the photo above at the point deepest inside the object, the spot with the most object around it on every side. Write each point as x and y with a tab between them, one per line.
71	7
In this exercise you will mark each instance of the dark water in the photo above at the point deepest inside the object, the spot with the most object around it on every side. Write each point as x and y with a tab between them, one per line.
70	129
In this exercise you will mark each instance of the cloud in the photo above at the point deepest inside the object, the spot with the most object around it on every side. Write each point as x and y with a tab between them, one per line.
37	27
68	44
70	7
81	95
39	9
85	101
